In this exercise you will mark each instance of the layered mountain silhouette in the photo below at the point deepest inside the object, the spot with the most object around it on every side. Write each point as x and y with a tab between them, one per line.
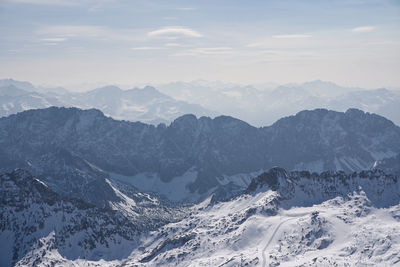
260	104
138	104
75	150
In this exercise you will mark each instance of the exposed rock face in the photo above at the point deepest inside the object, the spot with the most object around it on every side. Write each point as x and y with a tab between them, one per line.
391	165
306	189
82	146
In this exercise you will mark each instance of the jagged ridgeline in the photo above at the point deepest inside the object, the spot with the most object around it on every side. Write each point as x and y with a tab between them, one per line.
74	150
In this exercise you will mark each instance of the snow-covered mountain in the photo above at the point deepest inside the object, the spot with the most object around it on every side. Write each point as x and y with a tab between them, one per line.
282	218
138	104
13	99
78	188
381	101
259	104
26	86
76	150
289	219
263	106
35	220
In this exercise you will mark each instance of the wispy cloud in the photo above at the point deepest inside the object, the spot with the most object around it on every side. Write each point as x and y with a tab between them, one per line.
292	36
363	29
146	48
174	32
206	51
174	45
170	18
213	50
85	32
54	39
73	30
270	52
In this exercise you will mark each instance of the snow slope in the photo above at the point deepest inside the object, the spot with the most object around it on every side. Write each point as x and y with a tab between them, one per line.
285	219
34	220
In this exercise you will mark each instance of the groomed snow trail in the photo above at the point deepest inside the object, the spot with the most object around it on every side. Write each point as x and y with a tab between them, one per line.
264	251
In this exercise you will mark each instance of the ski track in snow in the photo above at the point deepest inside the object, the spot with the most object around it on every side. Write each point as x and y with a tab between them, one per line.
264	256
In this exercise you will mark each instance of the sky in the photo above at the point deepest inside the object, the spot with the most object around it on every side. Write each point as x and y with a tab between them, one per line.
61	42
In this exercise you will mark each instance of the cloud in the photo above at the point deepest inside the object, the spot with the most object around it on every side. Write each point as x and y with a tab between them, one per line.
270	52
146	48
54	39
292	36
72	30
213	50
170	18
206	51
177	45
174	32
173	45
86	32
363	29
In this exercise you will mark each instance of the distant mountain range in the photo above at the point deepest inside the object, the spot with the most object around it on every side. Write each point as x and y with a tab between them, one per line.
259	105
145	104
75	150
262	105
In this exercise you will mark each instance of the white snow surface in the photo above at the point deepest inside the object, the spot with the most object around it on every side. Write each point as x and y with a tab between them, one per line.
324	221
321	235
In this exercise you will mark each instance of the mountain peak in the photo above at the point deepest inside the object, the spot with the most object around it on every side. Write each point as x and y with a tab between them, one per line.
272	178
19	84
146	93
228	121
150	88
108	89
354	112
184	119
